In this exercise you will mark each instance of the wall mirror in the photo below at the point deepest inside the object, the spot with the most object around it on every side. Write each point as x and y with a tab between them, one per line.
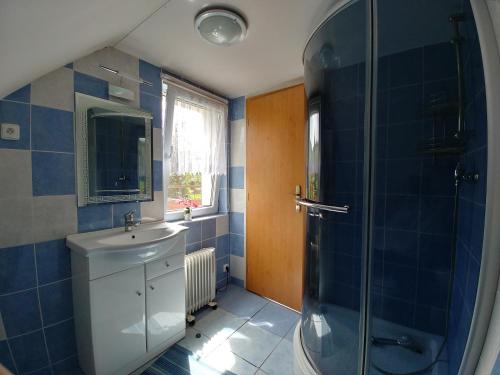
114	151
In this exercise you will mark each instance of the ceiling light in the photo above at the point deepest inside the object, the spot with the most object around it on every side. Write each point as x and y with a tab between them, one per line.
220	26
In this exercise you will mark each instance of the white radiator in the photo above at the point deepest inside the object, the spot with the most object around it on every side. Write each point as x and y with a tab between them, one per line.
200	279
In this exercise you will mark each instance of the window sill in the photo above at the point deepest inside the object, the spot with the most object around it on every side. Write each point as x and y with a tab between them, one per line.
199	218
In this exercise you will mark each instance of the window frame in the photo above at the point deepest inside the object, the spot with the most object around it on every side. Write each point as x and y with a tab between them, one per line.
167	152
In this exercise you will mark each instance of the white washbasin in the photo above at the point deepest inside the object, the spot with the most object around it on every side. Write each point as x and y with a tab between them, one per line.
117	240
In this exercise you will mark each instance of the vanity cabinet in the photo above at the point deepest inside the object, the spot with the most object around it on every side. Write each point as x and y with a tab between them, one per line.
117	311
129	305
165	306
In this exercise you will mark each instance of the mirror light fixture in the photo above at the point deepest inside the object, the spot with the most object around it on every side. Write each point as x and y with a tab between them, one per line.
221	27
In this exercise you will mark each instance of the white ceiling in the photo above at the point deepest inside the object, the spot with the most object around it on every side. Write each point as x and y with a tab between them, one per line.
270	57
38	36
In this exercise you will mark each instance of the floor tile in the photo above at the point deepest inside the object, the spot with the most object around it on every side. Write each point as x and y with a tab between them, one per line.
281	359
240	302
291	332
219	325
253	343
275	319
223	360
199	346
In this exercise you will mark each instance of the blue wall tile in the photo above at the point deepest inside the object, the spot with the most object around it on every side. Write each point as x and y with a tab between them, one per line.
89	85
406	67
237	223
95	217
223	206
157	175
237	177
208	228
61	340
152	104
236	108
439	62
211	242
16	113
53	173
150	73
194	233
20	312
29	352
21	95
68	366
191	247
120	209
51	129
18	268
237	281
237	244
53	261
56	302
6	357
222	246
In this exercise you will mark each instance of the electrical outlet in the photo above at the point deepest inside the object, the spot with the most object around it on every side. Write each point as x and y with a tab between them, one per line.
226	268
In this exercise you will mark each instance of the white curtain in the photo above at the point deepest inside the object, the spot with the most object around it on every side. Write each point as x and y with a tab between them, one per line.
196	133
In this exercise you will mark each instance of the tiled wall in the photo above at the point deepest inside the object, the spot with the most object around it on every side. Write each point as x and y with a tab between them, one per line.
414	190
472	197
39	208
237	192
211	232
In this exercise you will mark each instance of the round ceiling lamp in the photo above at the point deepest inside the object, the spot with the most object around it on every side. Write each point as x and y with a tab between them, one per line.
221	27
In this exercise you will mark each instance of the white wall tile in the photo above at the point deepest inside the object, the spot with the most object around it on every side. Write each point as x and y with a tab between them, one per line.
54	217
237	200
238	266
222	225
15	172
155	209
238	143
54	90
157	144
16	221
114	59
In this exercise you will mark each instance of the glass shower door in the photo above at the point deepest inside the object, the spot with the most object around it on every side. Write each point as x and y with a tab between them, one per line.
334	80
429	127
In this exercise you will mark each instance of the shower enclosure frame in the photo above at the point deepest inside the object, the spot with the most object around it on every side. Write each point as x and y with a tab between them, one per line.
482	344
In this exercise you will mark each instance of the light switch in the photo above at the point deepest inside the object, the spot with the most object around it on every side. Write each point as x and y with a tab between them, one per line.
10	132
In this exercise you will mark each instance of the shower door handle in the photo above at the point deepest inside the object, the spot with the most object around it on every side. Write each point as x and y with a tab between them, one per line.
322	207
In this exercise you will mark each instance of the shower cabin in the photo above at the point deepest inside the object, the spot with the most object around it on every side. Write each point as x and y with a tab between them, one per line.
396	188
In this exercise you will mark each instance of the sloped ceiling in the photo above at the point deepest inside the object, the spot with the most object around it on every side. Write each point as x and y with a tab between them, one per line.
269	57
37	36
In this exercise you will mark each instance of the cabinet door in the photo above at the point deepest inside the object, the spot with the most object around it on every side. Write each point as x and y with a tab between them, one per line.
118	319
166	307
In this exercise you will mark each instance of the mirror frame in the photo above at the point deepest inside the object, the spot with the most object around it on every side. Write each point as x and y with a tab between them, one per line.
82	104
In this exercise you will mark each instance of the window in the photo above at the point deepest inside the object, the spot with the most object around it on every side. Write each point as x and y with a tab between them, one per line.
195	136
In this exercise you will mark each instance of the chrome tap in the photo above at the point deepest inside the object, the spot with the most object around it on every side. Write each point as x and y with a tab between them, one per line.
129	221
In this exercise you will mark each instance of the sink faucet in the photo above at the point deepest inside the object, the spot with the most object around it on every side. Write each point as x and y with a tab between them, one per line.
129	221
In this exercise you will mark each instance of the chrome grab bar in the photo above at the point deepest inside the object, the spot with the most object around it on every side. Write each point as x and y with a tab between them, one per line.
319	206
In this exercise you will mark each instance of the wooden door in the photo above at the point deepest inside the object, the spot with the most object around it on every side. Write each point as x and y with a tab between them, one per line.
275	163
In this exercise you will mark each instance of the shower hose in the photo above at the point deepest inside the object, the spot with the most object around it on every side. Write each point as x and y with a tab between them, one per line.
452	275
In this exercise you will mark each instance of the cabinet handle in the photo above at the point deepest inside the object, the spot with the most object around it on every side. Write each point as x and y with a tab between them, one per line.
138	293
151	287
